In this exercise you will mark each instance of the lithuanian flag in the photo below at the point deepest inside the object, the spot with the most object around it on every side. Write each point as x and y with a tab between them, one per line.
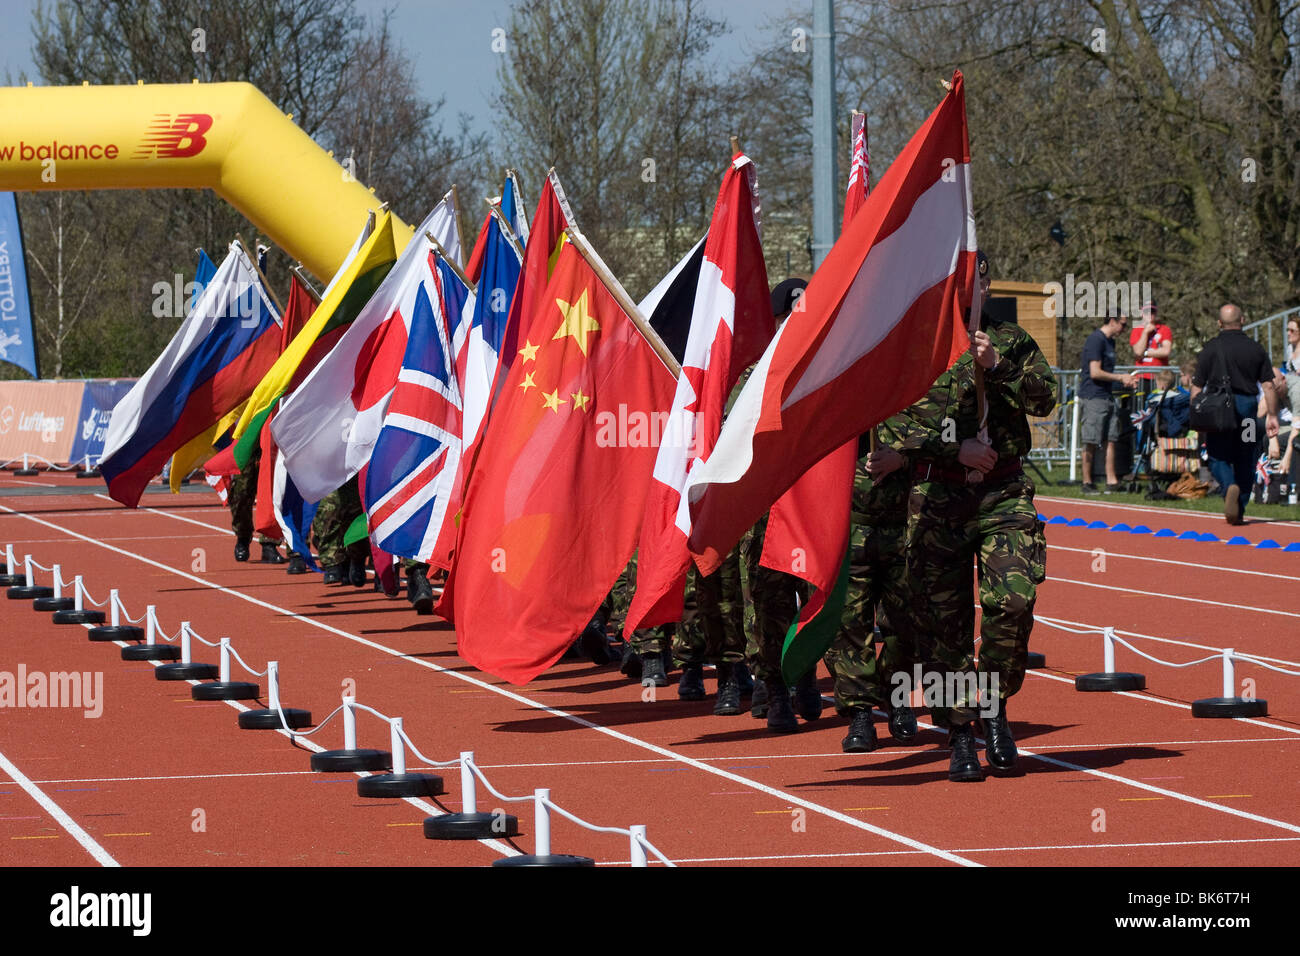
349	290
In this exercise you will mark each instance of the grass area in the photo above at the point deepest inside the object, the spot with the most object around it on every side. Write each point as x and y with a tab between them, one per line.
1059	486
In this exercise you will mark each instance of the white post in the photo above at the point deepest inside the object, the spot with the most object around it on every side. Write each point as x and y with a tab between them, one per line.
78	594
468	799
150	623
9	559
1074	438
349	724
395	738
86	462
31	580
185	642
1229	681
58	581
1108	638
273	685
225	660
114	610
638	851
542	822
25	465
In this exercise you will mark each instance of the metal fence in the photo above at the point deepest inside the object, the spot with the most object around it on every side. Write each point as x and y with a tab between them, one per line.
1270	332
1056	437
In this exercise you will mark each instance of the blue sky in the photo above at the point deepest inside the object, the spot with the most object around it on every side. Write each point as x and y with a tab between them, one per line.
451	40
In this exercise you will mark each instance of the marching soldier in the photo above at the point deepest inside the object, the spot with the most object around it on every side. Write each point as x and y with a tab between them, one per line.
971	500
343	563
241	498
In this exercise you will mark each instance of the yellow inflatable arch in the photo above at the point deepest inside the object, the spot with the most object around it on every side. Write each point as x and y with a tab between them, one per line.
227	137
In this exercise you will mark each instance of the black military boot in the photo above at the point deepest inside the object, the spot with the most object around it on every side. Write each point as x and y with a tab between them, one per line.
419	591
964	766
744	680
334	574
356	572
296	564
595	639
861	738
271	553
758	701
631	666
690	686
902	723
1000	746
780	711
241	550
727	703
807	698
652	670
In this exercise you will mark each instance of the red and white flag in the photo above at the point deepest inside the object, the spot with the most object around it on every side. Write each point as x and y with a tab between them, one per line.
731	323
881	320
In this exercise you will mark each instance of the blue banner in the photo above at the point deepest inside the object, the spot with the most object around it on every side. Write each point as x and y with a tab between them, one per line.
17	343
97	404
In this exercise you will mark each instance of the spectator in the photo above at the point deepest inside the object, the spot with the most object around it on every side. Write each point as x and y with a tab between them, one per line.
1276	449
1098	412
1152	342
1241	361
1291	367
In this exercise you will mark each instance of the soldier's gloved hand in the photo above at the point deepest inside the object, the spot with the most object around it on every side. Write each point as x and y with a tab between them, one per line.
981	347
882	461
975	454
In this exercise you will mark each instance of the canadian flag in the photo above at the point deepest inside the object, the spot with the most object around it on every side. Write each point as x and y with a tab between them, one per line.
881	320
731	322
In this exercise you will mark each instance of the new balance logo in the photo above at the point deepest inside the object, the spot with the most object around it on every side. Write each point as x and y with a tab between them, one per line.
175	138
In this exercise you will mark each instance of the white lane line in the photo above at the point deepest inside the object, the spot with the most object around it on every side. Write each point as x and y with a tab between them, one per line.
519	698
1167	512
168	514
1182	564
1179	597
101	856
977	849
181	776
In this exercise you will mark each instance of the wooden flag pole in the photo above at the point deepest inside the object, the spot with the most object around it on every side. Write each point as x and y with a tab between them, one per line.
506	231
620	295
460	223
513	176
455	267
258	269
735	145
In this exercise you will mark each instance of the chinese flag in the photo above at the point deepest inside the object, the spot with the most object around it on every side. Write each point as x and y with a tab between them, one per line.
554	505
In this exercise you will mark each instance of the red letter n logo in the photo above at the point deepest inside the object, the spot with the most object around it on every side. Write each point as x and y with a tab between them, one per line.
175	139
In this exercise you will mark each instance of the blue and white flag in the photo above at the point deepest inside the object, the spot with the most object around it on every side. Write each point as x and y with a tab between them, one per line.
17	341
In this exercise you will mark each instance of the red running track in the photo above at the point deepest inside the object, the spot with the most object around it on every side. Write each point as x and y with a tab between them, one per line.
1108	779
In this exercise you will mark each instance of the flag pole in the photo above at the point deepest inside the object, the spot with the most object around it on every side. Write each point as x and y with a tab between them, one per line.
620	295
258	269
460	273
307	286
460	224
505	228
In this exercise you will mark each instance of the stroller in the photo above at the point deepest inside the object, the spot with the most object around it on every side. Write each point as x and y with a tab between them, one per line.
1166	417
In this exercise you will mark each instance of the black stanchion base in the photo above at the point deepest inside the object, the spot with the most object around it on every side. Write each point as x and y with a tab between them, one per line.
25	472
151	652
93	473
550	859
54	604
349	761
12	580
25	593
1120	680
84	616
470	826
120	632
1229	707
401	785
1035	661
225	690
267	719
181	671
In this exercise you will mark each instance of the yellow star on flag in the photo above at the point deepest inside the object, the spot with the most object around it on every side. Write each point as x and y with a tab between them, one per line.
553	401
528	382
581	401
529	351
578	322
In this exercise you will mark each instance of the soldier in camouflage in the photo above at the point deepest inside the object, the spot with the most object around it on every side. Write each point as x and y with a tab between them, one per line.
343	563
878	596
713	631
241	498
971	500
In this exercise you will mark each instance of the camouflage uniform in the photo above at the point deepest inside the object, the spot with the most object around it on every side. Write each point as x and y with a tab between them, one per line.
877	595
648	640
774	601
241	498
334	516
712	630
995	521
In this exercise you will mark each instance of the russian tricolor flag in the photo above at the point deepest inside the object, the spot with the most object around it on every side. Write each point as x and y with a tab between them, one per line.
225	346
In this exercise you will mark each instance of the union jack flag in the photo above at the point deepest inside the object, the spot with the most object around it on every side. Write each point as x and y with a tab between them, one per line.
415	459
